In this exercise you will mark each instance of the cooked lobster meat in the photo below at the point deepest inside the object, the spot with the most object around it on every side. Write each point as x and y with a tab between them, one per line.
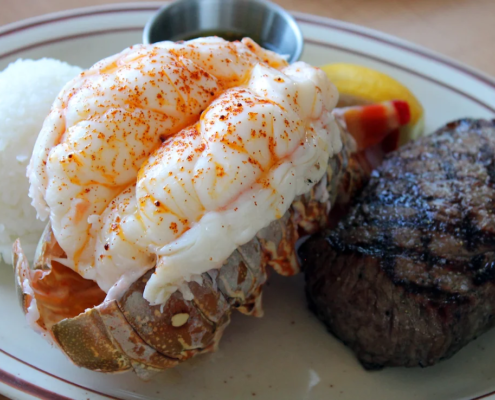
172	176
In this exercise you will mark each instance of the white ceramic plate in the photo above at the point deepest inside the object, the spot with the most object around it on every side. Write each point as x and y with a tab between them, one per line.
287	354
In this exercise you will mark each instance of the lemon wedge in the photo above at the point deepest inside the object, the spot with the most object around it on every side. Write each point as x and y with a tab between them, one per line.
361	85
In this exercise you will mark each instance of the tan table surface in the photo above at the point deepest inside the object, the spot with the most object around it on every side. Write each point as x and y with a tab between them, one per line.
461	29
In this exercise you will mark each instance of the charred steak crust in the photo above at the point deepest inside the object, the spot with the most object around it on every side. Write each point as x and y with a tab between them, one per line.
407	278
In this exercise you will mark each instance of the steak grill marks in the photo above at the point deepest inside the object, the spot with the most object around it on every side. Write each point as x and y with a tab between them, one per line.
408	277
395	186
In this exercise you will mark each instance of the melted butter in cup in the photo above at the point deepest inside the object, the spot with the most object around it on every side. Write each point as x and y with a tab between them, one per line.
266	23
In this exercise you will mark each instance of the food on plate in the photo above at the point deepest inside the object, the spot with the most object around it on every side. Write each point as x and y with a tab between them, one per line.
130	176
407	278
370	125
167	173
172	175
362	85
27	89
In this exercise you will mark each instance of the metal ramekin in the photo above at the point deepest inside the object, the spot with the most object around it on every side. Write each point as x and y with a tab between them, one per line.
270	24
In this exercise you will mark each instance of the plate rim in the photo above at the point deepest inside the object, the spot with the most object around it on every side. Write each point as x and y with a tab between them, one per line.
395	41
29	388
328	23
349	27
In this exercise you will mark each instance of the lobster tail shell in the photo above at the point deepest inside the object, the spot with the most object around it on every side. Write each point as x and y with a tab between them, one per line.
127	332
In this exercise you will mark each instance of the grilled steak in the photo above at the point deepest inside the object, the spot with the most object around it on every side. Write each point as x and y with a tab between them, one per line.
408	277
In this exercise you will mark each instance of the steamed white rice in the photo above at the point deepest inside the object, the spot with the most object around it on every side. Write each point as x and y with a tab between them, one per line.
27	91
